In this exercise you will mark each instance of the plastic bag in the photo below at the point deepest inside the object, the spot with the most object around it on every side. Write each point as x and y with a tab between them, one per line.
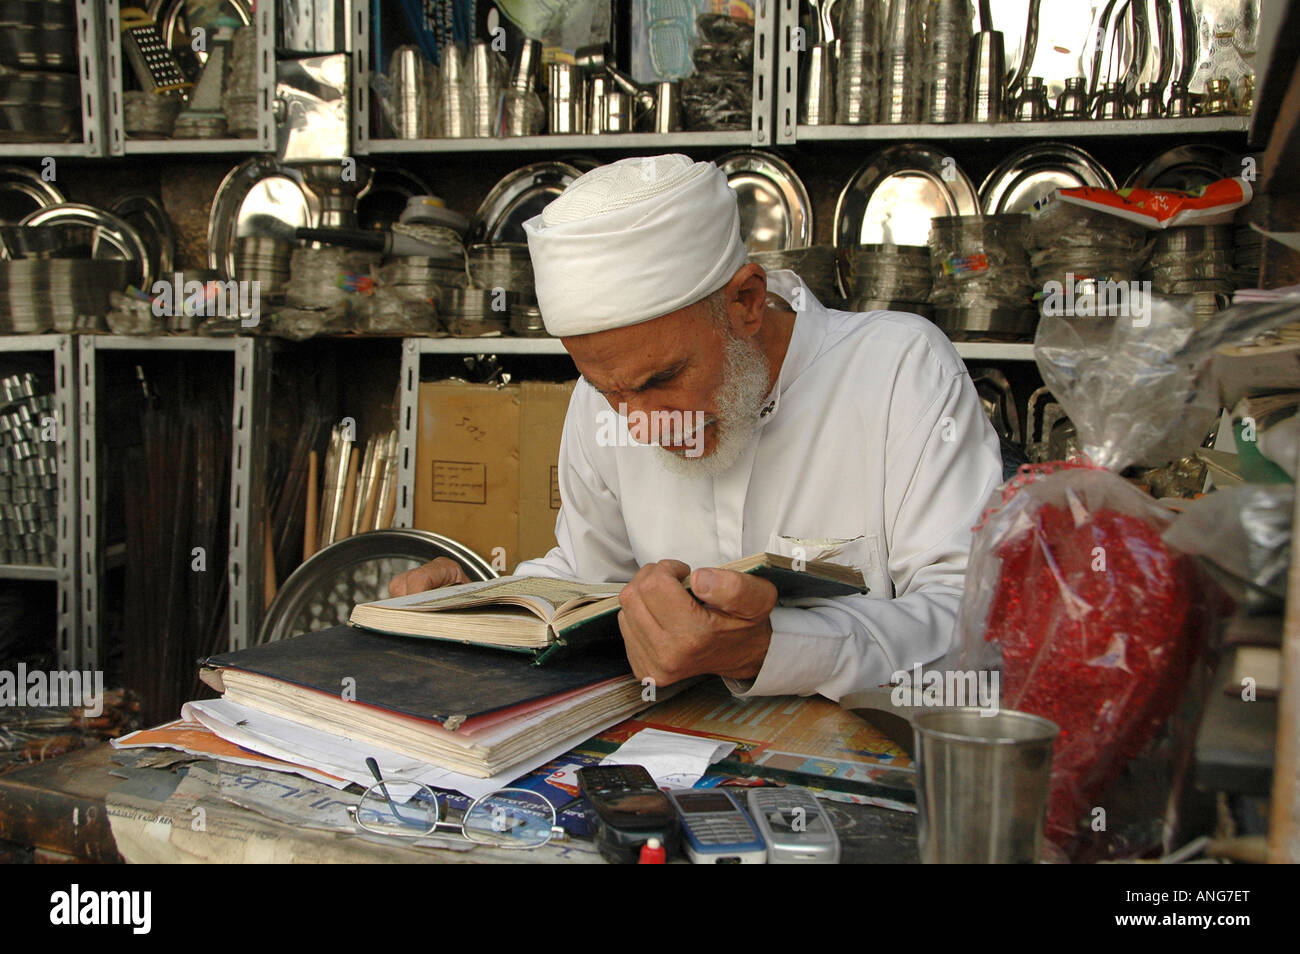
1095	621
1244	534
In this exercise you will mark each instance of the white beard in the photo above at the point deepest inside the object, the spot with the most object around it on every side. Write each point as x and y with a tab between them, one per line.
740	397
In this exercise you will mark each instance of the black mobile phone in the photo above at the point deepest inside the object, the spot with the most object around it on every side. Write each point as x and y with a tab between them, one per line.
625	809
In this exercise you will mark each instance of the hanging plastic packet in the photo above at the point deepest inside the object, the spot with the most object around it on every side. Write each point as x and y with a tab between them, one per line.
1213	204
1094	620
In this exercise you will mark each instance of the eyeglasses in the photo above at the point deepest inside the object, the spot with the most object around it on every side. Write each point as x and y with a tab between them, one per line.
506	818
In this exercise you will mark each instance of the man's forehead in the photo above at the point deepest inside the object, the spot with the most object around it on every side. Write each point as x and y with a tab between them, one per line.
627	358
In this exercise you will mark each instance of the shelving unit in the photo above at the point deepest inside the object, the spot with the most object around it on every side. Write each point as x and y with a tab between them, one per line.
244	566
63	574
759	134
119	144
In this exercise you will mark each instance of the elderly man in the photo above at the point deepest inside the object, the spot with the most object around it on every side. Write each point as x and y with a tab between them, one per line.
787	427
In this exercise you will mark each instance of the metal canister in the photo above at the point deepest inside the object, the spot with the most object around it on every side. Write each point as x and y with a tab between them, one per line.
564	99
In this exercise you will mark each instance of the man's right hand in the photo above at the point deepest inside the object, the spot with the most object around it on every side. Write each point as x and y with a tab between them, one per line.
443	571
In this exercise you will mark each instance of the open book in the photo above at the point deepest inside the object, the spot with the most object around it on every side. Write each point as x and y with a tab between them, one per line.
540	614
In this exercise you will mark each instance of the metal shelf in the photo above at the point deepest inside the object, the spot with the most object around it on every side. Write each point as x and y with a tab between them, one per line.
980	350
30	342
634	140
64	571
1052	129
16	571
488	345
162	343
27	150
249	425
155	147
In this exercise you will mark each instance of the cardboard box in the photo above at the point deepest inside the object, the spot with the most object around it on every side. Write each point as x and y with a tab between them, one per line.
486	470
543	405
467	467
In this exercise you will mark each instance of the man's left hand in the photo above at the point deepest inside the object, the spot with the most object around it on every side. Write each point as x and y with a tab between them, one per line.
671	635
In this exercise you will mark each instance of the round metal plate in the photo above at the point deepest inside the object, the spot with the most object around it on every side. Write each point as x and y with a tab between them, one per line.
113	237
1026	176
23	191
516	199
323	590
1185	168
775	209
145	214
891	199
262	198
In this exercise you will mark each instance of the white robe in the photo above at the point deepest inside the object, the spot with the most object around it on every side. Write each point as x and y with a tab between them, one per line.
874	431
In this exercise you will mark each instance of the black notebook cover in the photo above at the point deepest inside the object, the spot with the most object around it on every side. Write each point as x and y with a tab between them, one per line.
424	678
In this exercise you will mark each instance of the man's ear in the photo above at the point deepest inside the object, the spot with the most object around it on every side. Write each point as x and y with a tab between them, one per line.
747	291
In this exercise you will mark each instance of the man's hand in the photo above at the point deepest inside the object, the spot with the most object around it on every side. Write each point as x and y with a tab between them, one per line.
443	571
670	635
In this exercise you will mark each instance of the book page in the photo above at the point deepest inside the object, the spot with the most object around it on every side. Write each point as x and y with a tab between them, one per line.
529	589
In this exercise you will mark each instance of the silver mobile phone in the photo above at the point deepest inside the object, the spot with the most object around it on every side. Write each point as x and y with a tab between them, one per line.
795	826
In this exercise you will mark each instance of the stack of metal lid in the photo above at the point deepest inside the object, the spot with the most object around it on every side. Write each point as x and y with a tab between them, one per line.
149	115
424	272
65	294
816	265
526	321
28	471
887	278
982	283
1246	247
1192	258
39	87
474	312
263	260
501	265
39	106
200	124
239	94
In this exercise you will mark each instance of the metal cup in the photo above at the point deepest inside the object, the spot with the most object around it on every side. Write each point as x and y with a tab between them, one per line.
987	67
523	73
817	95
564	98
597	90
616	116
668	107
982	784
409	89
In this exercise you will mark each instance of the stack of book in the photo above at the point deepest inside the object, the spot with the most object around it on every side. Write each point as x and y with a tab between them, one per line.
478	679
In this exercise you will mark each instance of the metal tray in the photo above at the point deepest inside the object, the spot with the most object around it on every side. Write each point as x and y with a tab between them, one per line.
516	199
259	197
891	199
114	239
775	208
144	213
1026	176
1185	167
